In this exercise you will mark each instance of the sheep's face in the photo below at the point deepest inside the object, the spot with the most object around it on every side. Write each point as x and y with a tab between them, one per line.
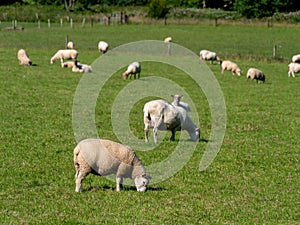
238	72
141	183
125	76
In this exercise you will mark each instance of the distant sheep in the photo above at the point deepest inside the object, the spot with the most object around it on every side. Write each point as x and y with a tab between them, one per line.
177	102
209	56
105	157
168	40
296	58
64	54
103	47
293	68
70	45
23	58
161	115
256	74
133	69
82	68
69	64
231	66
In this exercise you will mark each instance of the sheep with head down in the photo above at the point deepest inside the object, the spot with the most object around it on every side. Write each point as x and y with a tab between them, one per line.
104	157
161	115
64	54
209	56
133	69
230	66
256	74
103	47
23	58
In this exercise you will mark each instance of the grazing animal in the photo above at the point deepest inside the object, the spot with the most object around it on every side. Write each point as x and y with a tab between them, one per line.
103	157
64	54
23	58
103	47
168	39
68	64
296	58
161	115
231	66
82	68
209	56
70	45
133	69
177	102
293	68
256	74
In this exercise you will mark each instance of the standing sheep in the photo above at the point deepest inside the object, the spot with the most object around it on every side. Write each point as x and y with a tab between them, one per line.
296	58
133	69
103	47
70	45
161	115
208	55
293	68
23	58
231	66
104	157
64	54
177	102
256	74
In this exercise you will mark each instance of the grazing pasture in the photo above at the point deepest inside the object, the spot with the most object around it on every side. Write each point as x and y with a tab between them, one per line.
253	180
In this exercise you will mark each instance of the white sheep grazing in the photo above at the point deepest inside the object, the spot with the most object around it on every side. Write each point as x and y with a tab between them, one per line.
68	64
23	58
103	47
296	58
231	66
82	68
133	69
177	102
168	39
256	74
161	115
70	45
64	54
208	55
293	68
104	157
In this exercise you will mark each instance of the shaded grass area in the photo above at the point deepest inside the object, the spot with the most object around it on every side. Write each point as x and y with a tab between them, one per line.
254	178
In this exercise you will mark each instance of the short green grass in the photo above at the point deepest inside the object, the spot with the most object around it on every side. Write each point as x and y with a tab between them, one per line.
253	180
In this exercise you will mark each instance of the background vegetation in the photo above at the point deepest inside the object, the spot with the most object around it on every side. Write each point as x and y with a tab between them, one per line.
254	179
159	9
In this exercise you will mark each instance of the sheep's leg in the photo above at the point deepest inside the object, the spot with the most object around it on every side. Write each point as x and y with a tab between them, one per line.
146	131
173	135
155	134
81	172
138	75
119	181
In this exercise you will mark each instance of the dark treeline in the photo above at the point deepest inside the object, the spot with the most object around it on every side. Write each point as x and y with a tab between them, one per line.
247	8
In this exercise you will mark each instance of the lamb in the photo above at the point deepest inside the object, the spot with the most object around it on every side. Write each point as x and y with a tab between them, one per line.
256	74
103	47
103	157
231	66
208	55
133	69
64	54
296	58
70	45
69	64
293	68
161	115
82	68
177	102
23	58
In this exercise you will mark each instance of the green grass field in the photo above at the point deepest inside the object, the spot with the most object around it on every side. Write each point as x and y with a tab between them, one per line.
253	180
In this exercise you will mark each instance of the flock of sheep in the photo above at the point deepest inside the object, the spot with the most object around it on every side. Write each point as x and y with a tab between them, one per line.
104	157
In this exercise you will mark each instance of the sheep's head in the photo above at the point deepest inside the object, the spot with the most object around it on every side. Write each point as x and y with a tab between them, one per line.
141	183
238	71
125	75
